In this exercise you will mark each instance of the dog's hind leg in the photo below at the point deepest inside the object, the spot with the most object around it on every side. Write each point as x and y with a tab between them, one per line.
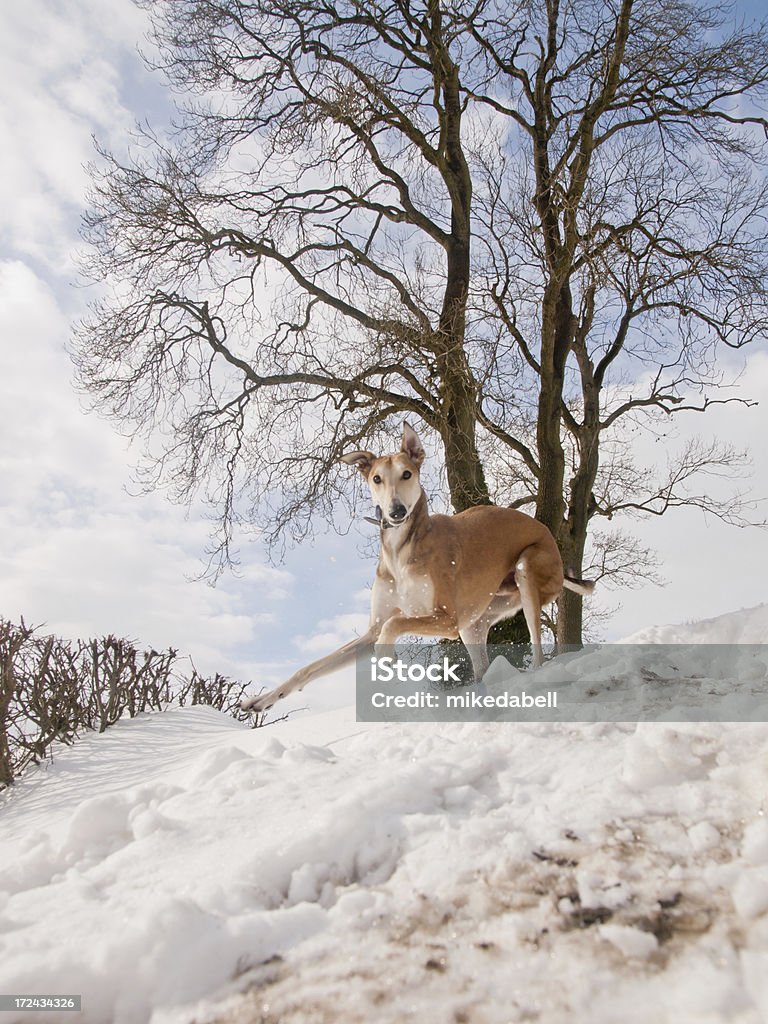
530	596
475	635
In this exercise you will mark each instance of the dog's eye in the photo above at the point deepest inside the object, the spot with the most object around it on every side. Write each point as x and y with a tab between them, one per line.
377	479
407	474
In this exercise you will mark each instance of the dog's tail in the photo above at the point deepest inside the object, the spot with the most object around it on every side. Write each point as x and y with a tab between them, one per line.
583	587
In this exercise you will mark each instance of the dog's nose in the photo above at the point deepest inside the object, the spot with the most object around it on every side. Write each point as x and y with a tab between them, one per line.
397	512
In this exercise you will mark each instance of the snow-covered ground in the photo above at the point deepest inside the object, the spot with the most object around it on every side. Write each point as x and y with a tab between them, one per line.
182	868
748	626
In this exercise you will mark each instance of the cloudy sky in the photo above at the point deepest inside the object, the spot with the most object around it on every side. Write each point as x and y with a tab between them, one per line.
80	549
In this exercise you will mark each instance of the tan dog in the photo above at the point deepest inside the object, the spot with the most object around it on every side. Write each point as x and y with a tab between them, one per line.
446	576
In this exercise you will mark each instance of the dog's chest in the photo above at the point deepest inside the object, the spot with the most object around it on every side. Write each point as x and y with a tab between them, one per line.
414	589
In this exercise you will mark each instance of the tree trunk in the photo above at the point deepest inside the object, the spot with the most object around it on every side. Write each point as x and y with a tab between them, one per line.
569	605
458	389
556	337
573	536
570	608
466	478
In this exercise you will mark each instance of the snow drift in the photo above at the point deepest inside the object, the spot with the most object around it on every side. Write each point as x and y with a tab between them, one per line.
181	867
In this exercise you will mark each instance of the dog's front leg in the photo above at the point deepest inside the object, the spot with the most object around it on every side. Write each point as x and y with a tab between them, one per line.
338	659
383	607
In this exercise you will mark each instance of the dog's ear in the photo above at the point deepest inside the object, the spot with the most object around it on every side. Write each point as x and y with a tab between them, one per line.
361	460
411	445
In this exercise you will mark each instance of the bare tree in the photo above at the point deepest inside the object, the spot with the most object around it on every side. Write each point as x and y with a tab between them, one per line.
536	218
309	233
625	241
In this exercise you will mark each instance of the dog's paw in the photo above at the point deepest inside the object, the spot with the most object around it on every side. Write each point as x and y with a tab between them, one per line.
259	704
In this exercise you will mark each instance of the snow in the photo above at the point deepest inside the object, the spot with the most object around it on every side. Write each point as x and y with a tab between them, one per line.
181	867
748	626
632	942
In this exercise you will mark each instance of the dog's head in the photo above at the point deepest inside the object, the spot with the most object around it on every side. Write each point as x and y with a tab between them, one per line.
393	479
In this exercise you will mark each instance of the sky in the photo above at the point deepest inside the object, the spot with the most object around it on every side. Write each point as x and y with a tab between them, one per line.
82	551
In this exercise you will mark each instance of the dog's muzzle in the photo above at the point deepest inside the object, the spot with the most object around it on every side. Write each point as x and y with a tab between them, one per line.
390	522
397	515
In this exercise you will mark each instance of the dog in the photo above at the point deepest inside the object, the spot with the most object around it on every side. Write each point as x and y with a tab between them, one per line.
444	576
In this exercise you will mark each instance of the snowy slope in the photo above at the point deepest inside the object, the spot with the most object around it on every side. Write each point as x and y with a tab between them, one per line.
180	867
748	626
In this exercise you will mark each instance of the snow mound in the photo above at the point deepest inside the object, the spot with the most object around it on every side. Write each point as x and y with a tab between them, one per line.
748	626
180	867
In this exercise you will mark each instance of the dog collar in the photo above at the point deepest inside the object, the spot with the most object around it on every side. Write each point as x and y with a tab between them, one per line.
381	523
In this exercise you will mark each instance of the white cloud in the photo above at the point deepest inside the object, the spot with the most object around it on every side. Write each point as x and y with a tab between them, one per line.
711	567
332	633
78	552
59	83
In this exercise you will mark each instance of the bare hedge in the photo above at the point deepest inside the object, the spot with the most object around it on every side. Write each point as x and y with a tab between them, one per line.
51	690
